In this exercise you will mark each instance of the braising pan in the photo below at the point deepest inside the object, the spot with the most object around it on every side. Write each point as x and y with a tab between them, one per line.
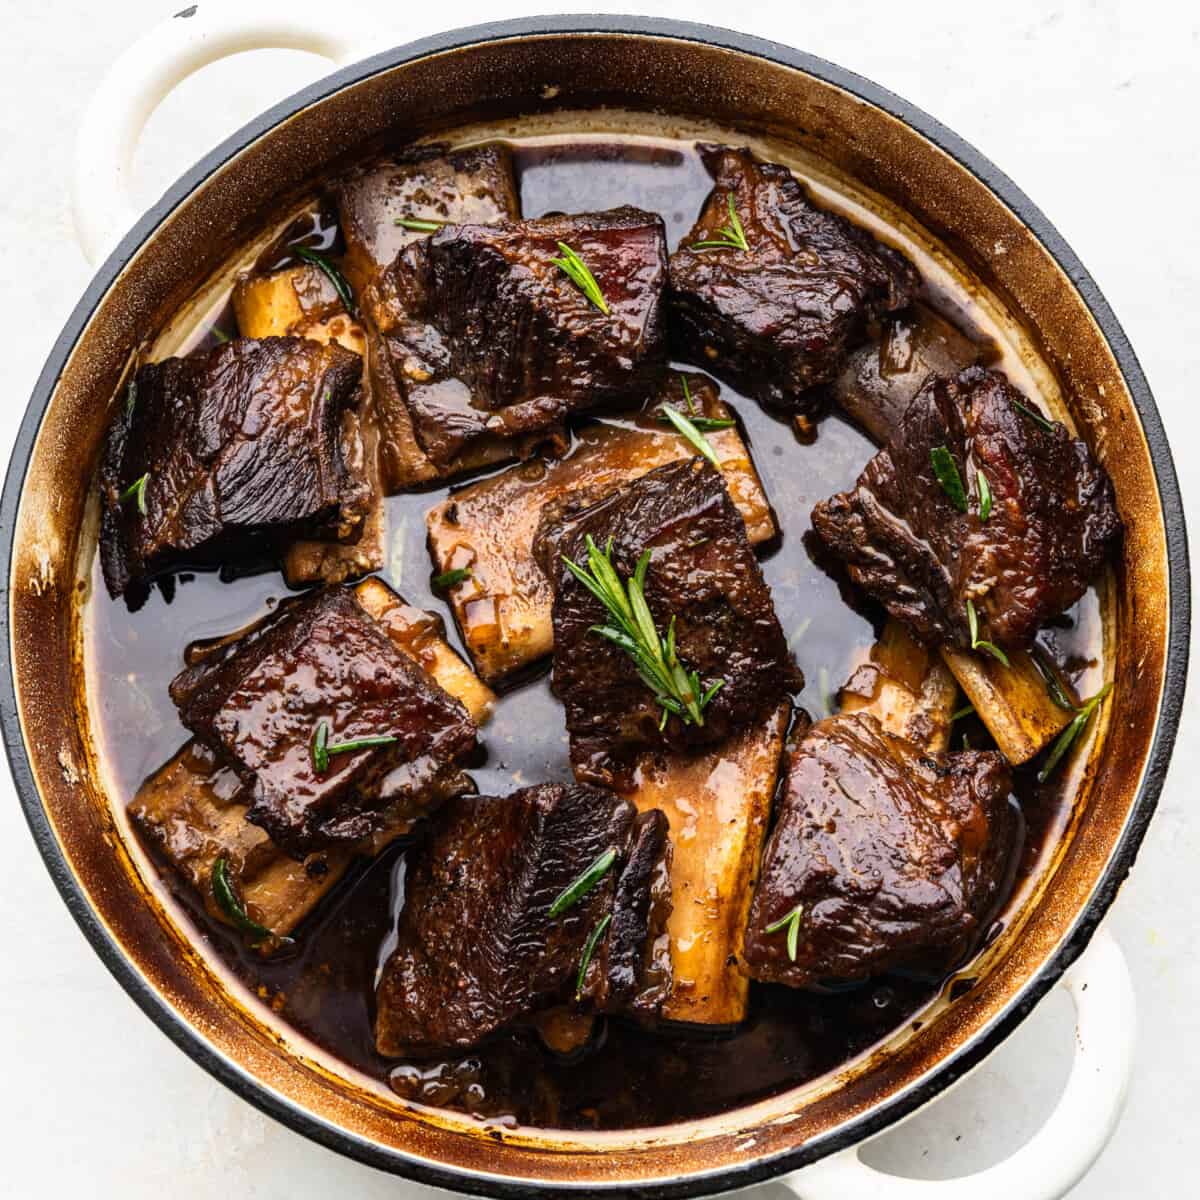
654	76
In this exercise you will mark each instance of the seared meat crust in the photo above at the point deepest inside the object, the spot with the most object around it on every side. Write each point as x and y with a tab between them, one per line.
241	449
1053	519
257	701
703	573
477	948
895	857
780	317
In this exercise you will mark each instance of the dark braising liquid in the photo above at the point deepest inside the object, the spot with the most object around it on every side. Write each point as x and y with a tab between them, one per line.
324	988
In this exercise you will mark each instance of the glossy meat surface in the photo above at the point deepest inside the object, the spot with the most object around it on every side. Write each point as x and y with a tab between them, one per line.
426	183
488	340
257	701
477	949
703	573
1053	518
241	450
895	857
780	317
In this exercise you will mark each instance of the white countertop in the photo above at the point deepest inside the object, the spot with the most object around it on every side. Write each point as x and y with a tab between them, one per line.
1091	108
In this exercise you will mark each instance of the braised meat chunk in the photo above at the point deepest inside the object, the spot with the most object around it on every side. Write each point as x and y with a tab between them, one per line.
706	597
778	316
882	857
385	205
488	345
237	449
284	703
1014	550
482	943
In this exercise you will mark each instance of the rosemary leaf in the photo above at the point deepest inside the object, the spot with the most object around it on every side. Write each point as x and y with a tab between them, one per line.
447	579
1066	739
965	711
702	424
730	237
131	397
580	275
688	429
631	627
231	905
322	748
985	496
335	277
581	886
946	470
792	921
420	224
589	949
318	747
136	491
1035	417
976	644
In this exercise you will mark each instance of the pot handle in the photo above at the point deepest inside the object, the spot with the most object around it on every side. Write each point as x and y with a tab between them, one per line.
144	74
1070	1141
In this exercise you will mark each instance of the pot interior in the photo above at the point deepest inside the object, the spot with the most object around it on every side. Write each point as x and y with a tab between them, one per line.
593	88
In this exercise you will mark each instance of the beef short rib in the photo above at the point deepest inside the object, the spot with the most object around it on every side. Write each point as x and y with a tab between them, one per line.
893	857
778	318
239	450
703	573
477	948
488	341
257	700
1053	518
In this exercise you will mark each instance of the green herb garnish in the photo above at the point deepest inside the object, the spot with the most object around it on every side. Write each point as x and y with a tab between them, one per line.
700	424
985	496
420	224
946	470
447	579
1067	738
231	905
687	428
792	921
137	489
219	335
577	271
576	890
631	627
1035	417
589	948
335	277
1053	686
322	747
131	397
965	711
976	644
731	236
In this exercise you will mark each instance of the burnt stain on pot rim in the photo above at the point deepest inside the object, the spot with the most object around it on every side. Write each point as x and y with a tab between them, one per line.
886	145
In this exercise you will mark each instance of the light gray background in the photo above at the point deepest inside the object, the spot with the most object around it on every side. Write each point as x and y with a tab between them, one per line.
1090	107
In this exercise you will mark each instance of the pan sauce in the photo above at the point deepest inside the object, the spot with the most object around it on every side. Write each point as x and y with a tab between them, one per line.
322	990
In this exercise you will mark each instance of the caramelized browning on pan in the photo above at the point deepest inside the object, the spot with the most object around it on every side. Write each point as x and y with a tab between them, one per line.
775	795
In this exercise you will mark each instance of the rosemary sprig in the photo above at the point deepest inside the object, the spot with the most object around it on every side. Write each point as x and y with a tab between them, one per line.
792	921
231	905
321	747
631	627
731	236
1053	687
985	496
577	271
589	948
976	644
420	224
688	429
1067	738
1034	416
335	277
965	711
136	490
583	884
447	579
946	470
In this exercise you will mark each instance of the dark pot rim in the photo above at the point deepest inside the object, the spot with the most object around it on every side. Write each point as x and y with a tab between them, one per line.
954	1065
